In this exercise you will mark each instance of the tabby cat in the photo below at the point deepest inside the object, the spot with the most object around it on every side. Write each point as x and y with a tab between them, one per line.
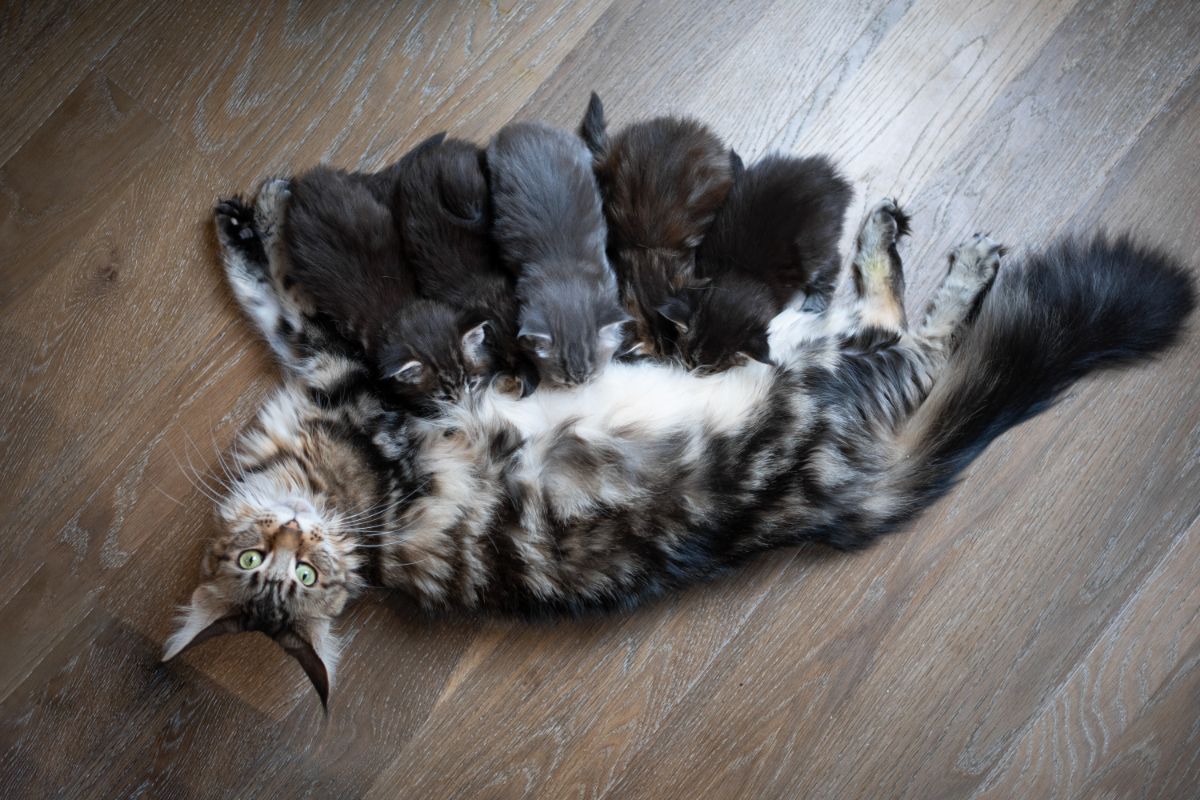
649	478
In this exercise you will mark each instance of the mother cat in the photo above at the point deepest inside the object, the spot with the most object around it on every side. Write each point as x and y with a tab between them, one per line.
649	478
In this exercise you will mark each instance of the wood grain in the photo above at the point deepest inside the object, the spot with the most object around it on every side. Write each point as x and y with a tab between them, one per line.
1035	634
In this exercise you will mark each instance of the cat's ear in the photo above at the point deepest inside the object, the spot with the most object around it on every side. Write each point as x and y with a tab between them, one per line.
408	372
759	349
677	311
315	648
736	164
473	344
534	335
207	615
612	335
594	130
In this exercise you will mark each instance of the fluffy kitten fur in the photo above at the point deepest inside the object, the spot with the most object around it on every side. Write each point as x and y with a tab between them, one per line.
652	478
773	242
662	181
442	208
345	258
550	229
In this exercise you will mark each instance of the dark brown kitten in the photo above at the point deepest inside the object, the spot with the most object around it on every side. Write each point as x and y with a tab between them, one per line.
662	181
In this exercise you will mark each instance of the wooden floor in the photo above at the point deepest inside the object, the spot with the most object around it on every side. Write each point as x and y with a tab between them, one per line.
1035	635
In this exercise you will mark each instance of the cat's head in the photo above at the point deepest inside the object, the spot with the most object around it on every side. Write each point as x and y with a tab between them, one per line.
663	180
570	329
723	325
284	562
432	352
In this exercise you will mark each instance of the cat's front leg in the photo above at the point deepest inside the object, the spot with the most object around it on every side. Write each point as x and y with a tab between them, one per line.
973	266
247	268
877	271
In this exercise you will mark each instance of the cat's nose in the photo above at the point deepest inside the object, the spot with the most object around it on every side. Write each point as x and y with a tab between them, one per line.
288	535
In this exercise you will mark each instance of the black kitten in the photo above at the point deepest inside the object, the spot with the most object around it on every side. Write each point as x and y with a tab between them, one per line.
663	181
774	242
442	208
550	230
345	257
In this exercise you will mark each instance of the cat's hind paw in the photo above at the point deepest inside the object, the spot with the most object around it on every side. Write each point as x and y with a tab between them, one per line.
977	259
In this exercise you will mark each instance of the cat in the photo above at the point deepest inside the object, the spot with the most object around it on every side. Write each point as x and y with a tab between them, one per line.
651	477
442	209
774	242
549	228
344	255
662	181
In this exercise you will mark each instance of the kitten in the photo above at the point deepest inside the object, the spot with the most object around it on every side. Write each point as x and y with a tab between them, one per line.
442	210
345	255
549	228
774	242
653	478
662	181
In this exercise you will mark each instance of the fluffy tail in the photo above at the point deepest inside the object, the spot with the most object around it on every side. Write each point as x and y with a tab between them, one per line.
1083	305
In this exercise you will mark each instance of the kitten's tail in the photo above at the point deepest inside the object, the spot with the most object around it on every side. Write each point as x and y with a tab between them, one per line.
1080	306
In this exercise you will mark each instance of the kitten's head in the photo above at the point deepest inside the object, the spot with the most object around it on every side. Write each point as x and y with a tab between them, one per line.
663	180
570	330
429	351
660	290
284	562
723	325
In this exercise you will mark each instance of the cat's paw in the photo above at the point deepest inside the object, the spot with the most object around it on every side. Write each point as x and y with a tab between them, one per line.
977	259
884	224
239	236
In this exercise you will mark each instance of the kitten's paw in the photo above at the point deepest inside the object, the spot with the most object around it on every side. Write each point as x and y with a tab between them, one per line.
270	206
977	259
885	223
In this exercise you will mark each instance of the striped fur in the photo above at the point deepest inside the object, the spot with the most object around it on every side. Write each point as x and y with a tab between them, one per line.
650	478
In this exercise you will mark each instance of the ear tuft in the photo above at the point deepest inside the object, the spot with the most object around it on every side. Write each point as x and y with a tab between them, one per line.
473	344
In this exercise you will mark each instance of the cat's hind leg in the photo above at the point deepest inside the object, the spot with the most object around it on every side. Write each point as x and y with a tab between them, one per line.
973	266
876	269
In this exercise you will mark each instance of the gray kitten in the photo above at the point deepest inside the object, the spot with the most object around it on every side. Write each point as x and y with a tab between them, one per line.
549	227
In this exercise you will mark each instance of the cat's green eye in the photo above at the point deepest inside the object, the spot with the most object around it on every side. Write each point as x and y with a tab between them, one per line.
249	559
306	574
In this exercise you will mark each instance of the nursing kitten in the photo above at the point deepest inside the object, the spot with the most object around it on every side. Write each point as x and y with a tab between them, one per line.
651	478
774	242
344	254
549	228
662	181
442	209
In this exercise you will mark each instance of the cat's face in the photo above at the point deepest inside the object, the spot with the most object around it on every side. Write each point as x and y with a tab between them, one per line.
434	354
571	332
723	326
284	561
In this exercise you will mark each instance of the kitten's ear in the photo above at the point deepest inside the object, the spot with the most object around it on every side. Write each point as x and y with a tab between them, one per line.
758	348
736	164
535	335
207	615
473	345
314	646
612	335
408	372
594	130
700	283
678	311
